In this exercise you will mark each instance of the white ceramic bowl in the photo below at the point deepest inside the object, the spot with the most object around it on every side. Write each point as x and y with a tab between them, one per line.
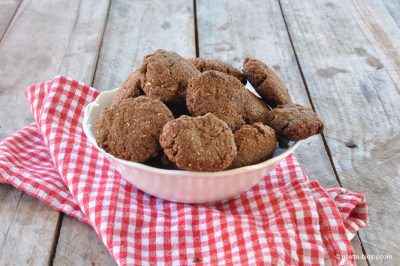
178	185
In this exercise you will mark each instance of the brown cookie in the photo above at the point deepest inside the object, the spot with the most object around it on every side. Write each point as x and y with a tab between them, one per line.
203	143
294	122
255	144
203	64
130	88
225	97
165	76
131	128
266	82
256	109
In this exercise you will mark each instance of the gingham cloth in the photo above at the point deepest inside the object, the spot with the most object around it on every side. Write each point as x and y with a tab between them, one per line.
286	219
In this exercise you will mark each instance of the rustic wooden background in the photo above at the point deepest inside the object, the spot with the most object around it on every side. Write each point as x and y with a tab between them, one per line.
342	57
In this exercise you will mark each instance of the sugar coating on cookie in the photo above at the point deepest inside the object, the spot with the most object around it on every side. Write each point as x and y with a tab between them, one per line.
225	97
165	76
294	122
203	143
255	144
130	88
203	64
266	82
131	128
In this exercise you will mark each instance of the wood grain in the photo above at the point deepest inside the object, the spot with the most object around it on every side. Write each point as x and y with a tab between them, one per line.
349	52
25	222
133	29
37	46
7	12
136	28
45	37
79	244
80	58
230	31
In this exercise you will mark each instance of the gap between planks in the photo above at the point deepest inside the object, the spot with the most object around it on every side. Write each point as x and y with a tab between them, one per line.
55	238
328	151
196	33
308	92
10	22
57	232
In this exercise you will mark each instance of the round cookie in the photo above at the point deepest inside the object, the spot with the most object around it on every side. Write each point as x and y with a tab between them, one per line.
165	76
255	144
225	97
203	64
294	122
130	88
131	128
266	82
203	143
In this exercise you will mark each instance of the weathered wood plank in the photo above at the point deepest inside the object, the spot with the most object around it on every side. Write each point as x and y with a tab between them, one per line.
136	28
34	49
133	29
46	37
227	32
25	222
7	12
80	58
79	244
349	52
393	7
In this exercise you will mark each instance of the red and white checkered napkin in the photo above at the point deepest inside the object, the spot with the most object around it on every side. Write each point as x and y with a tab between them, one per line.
285	219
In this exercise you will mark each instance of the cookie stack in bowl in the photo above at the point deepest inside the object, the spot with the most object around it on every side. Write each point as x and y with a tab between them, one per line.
196	114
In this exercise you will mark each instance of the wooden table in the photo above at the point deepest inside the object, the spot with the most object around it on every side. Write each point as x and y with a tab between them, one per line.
342	57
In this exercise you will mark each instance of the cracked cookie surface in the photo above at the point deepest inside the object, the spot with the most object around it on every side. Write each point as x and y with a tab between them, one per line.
255	144
165	76
130	129
266	82
203	64
294	122
203	143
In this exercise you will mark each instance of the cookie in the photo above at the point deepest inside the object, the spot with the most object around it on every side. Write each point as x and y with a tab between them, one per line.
294	122
130	88
203	143
256	109
131	128
225	97
255	144
165	76
203	64
266	82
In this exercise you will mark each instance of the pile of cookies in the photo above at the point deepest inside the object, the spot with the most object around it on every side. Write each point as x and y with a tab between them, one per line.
195	114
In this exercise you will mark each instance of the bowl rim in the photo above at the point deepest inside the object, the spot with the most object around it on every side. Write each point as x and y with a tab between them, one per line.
88	111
